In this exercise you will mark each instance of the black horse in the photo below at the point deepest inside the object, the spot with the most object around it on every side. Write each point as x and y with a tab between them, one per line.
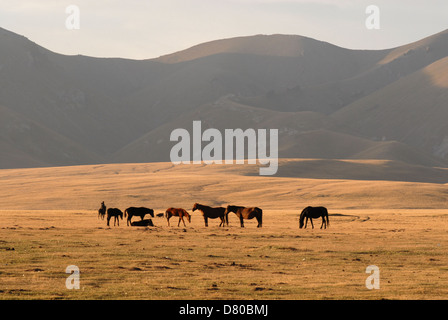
212	213
139	212
313	213
102	211
114	212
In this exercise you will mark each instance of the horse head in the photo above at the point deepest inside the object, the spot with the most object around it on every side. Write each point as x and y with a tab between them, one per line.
188	216
230	209
151	212
303	215
195	206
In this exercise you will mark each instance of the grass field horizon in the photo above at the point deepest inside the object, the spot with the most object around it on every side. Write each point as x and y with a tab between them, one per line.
49	221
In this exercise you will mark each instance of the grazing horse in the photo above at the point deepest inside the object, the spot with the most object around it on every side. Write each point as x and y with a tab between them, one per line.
102	211
314	212
212	213
246	213
139	212
177	212
114	212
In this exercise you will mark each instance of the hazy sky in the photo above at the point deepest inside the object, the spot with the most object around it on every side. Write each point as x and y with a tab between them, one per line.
141	29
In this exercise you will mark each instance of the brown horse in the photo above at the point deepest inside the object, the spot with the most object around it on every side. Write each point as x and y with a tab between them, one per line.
114	212
246	213
212	213
177	212
139	212
313	213
102	211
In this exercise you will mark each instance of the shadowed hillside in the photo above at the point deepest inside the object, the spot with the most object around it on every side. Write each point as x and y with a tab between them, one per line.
326	101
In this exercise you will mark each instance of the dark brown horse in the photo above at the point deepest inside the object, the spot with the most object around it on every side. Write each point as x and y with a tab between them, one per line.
177	212
246	213
212	213
102	211
114	212
138	212
313	213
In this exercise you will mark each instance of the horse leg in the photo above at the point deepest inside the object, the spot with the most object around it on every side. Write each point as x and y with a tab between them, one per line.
306	222
323	223
206	221
311	220
222	221
181	218
241	222
168	220
260	221
108	219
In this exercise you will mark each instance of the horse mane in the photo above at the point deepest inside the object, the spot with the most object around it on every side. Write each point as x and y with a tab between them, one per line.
236	207
201	206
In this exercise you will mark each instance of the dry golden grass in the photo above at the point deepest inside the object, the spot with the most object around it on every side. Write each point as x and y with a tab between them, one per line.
278	261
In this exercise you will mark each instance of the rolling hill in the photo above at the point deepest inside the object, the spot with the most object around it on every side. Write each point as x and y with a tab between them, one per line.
328	102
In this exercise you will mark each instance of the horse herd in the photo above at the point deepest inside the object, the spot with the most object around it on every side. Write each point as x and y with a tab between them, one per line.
243	213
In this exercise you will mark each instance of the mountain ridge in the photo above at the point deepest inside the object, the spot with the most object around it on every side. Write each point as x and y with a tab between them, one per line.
111	109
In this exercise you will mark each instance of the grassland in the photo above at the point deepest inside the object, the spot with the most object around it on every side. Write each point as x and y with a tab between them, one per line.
49	221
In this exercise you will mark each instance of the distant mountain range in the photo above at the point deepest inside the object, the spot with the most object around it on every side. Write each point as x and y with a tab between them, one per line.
326	101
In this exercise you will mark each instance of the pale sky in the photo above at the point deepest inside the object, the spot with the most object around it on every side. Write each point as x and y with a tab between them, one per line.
143	29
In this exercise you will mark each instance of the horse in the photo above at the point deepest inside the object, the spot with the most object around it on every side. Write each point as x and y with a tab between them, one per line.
212	213
114	212
178	212
102	211
139	212
314	212
246	213
143	223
